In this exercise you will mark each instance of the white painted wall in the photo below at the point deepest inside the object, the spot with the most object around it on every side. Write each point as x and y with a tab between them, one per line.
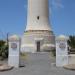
71	59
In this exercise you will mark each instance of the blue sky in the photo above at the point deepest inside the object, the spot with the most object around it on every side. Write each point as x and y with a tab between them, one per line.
13	14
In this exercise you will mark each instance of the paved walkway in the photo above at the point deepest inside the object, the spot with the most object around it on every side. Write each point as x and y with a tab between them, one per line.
39	64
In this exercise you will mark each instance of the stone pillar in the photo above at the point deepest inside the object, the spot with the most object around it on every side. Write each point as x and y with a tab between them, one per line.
14	51
61	51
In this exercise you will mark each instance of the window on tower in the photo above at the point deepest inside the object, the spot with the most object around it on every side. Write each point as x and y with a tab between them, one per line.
38	17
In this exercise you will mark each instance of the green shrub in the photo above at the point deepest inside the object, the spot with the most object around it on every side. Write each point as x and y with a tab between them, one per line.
3	50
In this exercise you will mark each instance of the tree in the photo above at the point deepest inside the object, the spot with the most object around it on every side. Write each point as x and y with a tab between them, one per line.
3	49
71	42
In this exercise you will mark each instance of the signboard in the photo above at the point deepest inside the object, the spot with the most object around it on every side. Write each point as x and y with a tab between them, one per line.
14	45
62	46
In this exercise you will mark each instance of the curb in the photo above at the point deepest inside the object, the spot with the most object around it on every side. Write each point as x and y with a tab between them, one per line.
4	67
70	67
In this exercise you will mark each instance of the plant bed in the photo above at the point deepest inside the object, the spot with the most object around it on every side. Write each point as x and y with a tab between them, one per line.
5	67
70	67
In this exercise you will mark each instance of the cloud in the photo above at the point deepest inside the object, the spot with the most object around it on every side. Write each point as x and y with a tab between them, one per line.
57	4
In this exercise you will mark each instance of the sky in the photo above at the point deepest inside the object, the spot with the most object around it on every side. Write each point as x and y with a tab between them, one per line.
13	17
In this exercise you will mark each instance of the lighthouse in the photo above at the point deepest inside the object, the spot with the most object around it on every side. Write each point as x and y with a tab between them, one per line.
38	35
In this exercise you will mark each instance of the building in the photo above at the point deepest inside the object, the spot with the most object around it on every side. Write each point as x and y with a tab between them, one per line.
38	35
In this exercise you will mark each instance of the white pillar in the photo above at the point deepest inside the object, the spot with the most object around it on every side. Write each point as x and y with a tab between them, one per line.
14	51
61	51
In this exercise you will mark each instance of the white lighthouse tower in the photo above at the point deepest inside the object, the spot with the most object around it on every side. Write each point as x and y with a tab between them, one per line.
38	35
